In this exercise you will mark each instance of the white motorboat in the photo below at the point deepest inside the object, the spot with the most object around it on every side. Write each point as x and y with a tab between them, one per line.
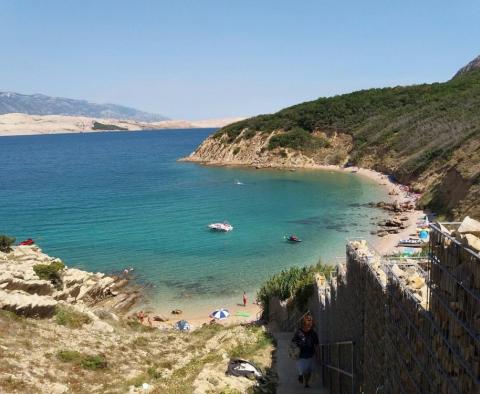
220	227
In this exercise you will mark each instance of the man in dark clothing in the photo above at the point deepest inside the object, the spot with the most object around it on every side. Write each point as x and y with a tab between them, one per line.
307	341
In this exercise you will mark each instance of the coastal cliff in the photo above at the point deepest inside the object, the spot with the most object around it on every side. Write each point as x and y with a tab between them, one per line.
255	151
426	136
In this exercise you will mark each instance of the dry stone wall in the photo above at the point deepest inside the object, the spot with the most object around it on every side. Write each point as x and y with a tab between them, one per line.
414	324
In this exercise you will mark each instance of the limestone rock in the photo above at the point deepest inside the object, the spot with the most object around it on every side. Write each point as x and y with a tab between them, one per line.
472	242
415	281
30	305
469	226
40	287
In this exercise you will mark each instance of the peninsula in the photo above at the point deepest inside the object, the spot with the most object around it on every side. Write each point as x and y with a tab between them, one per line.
424	136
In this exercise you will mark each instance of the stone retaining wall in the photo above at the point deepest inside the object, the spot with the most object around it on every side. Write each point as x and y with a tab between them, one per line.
407	337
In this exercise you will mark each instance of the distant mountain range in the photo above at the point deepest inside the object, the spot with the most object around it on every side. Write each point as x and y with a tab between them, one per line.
39	104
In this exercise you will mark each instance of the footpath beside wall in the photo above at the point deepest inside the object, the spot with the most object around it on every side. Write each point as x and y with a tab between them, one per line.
402	325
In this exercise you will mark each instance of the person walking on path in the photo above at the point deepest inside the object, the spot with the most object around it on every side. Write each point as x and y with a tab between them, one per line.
307	341
244	299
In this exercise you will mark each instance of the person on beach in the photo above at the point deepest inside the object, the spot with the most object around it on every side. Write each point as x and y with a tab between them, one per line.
307	341
244	299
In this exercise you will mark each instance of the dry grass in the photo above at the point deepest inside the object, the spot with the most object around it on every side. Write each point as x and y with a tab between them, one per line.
89	361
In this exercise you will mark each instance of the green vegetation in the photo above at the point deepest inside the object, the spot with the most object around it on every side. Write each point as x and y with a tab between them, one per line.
297	138
68	356
70	318
92	362
296	283
50	271
104	126
248	350
236	150
409	132
6	243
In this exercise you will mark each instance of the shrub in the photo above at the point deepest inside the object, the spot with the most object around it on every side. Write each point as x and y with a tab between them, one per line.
236	150
299	139
69	355
86	361
249	134
93	362
50	271
5	243
70	318
296	283
283	154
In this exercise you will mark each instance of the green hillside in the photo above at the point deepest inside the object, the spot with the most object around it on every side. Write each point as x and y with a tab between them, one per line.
426	135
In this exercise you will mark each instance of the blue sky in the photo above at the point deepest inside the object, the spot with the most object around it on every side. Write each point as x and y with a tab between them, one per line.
210	58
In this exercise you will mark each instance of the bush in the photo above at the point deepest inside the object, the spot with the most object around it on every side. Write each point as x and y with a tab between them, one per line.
68	355
70	318
5	243
283	153
93	362
50	271
86	361
236	150
299	139
296	282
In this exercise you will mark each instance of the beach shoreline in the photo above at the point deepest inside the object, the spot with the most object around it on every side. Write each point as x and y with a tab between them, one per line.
383	245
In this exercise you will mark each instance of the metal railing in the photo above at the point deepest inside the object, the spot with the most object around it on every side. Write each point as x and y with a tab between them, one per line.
326	353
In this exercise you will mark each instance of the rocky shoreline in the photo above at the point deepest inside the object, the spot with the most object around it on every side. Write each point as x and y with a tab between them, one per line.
24	292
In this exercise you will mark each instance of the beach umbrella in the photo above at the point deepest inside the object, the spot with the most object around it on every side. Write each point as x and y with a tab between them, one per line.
220	314
182	325
423	235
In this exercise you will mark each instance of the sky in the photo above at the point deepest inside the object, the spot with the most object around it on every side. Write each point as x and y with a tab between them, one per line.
213	59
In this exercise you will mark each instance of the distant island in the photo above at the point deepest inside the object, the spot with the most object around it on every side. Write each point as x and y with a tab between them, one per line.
424	136
24	124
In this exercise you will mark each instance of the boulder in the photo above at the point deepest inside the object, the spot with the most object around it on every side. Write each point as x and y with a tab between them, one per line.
397	271
470	226
415	281
30	305
127	302
472	242
74	276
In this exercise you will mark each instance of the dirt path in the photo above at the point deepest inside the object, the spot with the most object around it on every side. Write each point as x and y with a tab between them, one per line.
287	371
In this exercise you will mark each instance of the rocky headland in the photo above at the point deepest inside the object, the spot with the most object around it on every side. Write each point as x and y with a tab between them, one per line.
64	330
33	284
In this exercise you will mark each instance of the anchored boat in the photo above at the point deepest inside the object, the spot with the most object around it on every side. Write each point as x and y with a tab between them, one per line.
292	238
224	227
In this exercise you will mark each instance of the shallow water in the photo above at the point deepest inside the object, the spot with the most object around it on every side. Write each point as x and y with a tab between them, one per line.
105	201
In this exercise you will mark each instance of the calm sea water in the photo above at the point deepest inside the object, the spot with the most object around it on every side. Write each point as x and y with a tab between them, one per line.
105	201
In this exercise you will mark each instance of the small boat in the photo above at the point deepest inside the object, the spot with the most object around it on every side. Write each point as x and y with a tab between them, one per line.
225	227
411	242
292	238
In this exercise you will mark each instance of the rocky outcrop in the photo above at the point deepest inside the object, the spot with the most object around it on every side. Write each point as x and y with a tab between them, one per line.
30	305
473	65
23	292
255	152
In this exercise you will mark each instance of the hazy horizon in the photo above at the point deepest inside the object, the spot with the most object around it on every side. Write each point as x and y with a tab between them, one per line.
189	60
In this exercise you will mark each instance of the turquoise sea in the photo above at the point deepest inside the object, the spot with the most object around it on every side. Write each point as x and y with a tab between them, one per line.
106	201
